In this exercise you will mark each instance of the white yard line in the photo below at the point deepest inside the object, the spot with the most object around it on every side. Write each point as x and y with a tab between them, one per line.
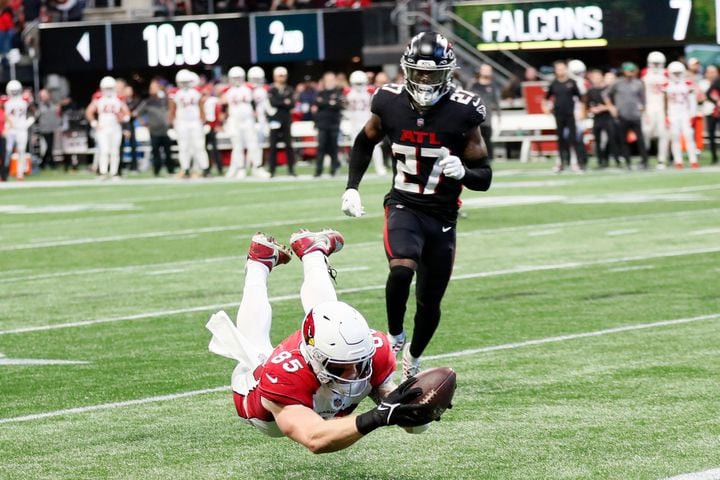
461	353
712	474
562	338
294	296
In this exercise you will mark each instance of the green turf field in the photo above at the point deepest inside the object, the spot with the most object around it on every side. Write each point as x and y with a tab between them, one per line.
583	321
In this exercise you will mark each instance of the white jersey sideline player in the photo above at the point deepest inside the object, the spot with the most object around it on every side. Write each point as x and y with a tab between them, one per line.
106	114
241	126
256	81
655	115
681	106
17	123
187	117
358	113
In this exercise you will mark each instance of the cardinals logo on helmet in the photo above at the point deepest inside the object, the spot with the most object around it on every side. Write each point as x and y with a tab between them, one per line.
309	329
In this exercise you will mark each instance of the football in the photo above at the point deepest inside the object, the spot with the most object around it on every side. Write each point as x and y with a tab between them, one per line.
438	387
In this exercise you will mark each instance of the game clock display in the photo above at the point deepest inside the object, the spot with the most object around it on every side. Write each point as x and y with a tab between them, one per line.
181	43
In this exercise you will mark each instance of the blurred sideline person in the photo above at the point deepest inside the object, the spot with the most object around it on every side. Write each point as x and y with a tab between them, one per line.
49	120
328	107
578	72
488	91
153	113
655	115
212	108
358	113
18	107
242	126
187	117
106	115
281	99
437	149
603	125
713	112
628	98
560	99
681	106
308	385
256	82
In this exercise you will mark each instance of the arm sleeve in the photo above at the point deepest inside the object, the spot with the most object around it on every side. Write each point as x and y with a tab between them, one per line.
359	159
478	178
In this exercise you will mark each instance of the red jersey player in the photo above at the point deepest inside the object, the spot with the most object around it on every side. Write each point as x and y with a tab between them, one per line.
307	386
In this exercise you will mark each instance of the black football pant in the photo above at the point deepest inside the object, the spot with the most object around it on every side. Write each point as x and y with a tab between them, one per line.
213	152
158	144
607	125
47	158
634	125
412	234
277	135
712	123
568	137
327	145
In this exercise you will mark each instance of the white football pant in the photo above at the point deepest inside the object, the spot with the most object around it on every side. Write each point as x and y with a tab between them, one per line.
108	141
17	138
255	313
654	127
680	125
191	146
243	135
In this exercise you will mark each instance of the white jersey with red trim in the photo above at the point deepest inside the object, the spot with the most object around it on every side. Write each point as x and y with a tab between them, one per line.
655	81
16	111
358	105
680	98
287	379
239	100
187	103
108	111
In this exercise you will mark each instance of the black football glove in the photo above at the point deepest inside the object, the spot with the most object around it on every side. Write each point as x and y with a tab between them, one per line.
395	410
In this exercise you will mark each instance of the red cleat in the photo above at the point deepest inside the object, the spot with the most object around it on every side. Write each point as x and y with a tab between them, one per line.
678	166
327	241
264	249
695	165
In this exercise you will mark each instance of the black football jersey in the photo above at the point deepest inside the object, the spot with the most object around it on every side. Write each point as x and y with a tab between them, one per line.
419	140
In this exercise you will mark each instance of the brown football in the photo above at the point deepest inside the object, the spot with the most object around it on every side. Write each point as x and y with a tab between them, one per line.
438	387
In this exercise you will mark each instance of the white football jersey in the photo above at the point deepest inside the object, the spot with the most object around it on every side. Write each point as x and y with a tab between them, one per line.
240	103
187	103
260	97
108	109
358	105
680	98
655	91
16	109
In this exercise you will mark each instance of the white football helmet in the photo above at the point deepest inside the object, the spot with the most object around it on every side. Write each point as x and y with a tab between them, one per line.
107	86
13	88
577	68
656	60
184	79
256	75
676	70
339	347
358	79
236	75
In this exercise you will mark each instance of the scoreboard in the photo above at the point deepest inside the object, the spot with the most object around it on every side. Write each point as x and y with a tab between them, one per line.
200	41
535	25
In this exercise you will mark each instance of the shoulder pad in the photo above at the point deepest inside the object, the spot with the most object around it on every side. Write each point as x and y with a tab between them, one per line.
472	106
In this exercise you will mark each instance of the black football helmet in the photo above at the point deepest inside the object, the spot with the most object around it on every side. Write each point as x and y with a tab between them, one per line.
428	63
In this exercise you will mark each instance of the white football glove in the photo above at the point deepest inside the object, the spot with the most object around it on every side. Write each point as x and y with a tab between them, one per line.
452	167
351	203
172	135
206	129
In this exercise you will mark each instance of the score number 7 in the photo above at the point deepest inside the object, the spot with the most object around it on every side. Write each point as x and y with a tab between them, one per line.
684	8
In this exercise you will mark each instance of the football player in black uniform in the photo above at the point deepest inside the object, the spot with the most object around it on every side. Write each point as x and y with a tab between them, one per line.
437	149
